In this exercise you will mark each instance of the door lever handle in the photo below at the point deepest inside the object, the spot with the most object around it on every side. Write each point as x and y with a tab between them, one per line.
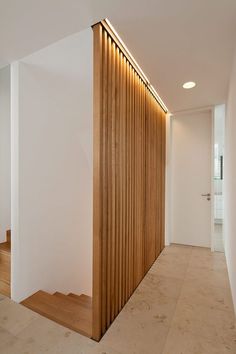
206	195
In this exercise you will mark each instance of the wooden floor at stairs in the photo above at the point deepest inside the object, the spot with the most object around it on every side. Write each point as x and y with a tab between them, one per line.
5	266
72	311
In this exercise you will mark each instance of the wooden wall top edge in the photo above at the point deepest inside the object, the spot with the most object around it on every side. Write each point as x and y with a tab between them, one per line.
107	28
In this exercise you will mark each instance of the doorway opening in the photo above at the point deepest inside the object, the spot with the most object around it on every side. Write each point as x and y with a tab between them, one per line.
218	184
5	183
196	178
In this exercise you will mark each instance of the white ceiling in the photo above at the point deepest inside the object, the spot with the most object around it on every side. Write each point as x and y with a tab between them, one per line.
173	40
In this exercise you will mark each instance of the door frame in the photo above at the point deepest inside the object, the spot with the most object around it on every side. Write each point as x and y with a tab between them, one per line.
169	137
212	178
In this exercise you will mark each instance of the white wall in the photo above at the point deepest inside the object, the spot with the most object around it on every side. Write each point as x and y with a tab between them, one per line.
5	153
52	169
168	180
230	183
219	118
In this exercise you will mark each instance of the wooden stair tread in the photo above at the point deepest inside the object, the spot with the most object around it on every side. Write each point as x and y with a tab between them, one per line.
5	247
5	268
58	294
61	310
8	233
86	298
66	297
82	299
74	296
5	288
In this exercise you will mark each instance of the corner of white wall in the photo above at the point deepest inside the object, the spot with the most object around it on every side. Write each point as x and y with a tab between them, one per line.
5	171
230	183
14	178
47	178
168	181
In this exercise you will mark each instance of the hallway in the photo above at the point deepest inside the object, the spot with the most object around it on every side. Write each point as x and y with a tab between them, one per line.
183	306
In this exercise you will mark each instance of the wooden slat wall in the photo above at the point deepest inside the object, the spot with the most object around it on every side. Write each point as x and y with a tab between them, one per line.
129	180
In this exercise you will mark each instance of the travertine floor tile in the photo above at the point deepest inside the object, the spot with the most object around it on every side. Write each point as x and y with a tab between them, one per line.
143	309
202	258
175	248
160	285
6	339
148	335
174	258
100	349
74	343
181	342
20	346
210	277
183	306
200	294
160	307
2	297
170	270
14	317
44	332
206	322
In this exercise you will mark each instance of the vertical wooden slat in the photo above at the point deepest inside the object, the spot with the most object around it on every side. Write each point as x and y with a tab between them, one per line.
125	210
124	180
117	200
104	197
158	185
142	202
119	194
163	164
97	186
147	194
129	180
132	217
136	196
113	176
109	180
129	118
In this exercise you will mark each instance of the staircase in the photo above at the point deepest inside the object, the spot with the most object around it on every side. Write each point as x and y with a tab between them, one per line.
72	311
5	266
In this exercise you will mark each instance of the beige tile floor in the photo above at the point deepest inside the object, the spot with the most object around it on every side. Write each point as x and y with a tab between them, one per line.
183	306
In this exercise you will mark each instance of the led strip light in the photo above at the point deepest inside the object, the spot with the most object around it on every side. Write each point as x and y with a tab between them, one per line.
108	26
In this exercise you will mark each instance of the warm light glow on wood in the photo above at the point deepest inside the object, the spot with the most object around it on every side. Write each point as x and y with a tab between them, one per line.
129	179
136	65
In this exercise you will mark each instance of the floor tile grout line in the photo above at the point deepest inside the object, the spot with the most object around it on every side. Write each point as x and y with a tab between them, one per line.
214	286
170	327
191	332
197	335
175	307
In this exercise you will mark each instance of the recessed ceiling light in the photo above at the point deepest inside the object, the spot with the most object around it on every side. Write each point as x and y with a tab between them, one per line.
189	85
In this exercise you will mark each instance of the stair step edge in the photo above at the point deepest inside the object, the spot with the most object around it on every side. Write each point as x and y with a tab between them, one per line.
31	303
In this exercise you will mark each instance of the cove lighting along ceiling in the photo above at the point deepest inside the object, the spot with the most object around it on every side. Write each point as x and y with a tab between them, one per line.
139	70
189	85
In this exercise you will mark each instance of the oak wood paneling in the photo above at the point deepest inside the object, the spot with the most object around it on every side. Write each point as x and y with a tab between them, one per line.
129	179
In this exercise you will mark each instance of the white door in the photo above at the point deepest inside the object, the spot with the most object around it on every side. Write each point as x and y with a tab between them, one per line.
191	179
